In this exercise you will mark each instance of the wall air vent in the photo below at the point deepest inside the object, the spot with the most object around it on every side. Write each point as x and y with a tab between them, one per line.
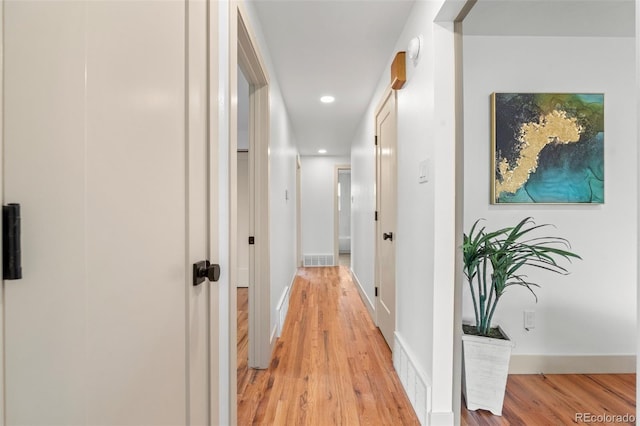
318	260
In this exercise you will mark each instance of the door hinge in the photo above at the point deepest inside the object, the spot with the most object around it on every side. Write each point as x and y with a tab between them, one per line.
376	140
252	240
376	215
376	291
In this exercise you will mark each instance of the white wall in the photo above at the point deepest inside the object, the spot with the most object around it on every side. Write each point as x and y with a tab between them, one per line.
417	278
593	310
282	199
317	183
363	177
282	193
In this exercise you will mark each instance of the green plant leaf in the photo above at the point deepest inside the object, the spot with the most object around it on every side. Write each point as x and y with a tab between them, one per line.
493	261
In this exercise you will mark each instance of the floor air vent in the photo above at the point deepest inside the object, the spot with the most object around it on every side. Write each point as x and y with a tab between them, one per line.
318	260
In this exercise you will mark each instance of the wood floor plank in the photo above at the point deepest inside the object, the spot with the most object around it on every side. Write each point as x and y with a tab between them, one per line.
331	366
556	399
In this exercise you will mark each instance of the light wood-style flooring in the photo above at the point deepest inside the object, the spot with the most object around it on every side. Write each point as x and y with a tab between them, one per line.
560	399
245	374
331	366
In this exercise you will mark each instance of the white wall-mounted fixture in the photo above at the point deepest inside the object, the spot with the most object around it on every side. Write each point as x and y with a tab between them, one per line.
327	99
423	171
529	320
413	49
322	151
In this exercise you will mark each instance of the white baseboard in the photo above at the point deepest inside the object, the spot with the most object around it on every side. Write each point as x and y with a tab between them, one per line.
363	295
282	308
572	364
415	382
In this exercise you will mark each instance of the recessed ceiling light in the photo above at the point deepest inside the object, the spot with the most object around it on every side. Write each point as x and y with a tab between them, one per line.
327	99
322	151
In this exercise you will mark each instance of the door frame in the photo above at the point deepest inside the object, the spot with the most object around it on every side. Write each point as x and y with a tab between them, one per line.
336	214
389	92
244	53
212	203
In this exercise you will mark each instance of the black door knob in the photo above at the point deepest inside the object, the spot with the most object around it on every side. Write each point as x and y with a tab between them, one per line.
204	269
213	272
387	236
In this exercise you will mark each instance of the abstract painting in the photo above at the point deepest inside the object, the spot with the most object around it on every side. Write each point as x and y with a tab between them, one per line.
547	148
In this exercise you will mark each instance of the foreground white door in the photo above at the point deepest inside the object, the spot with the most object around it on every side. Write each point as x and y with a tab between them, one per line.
386	132
105	149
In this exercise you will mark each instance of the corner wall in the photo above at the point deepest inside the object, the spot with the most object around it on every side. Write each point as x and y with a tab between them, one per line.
426	215
282	185
592	311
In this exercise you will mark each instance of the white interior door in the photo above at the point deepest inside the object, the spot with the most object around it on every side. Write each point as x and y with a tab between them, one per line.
386	131
106	150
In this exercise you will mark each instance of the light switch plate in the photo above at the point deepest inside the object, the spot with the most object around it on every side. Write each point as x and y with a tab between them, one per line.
529	320
423	171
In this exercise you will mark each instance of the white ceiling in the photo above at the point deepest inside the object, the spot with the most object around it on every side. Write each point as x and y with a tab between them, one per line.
559	18
341	47
329	47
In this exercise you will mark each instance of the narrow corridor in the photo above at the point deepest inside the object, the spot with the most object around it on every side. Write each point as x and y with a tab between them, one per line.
331	366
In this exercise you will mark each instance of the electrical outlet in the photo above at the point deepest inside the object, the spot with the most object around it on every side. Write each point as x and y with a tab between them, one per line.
529	320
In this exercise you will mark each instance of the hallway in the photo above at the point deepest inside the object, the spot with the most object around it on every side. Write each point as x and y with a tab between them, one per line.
331	366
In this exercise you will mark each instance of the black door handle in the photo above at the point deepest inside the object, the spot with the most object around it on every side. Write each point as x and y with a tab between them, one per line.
204	269
387	236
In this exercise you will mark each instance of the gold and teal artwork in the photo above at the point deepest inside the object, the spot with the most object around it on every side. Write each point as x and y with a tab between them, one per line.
547	148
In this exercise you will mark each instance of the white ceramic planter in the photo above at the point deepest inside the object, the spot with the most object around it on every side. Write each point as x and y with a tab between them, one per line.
485	366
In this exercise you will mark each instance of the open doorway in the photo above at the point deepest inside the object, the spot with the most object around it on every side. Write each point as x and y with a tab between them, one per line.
342	215
243	181
251	66
242	215
246	62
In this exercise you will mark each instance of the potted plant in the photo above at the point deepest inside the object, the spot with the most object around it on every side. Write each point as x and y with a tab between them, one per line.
494	261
